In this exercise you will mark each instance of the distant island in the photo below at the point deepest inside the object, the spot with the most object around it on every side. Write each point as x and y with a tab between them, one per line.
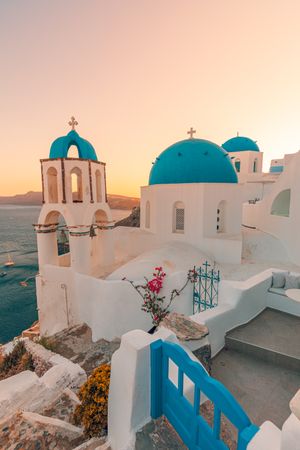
32	198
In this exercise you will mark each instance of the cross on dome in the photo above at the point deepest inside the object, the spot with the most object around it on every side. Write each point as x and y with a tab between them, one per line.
73	122
191	132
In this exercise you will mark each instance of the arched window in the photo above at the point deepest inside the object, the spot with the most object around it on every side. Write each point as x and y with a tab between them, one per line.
255	165
76	183
281	204
101	217
178	217
98	186
147	217
221	217
52	185
237	164
57	243
73	152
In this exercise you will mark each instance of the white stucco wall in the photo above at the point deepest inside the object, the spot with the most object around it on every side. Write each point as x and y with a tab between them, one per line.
286	229
109	307
247	159
239	302
129	391
201	202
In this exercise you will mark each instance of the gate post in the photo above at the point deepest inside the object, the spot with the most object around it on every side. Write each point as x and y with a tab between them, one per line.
156	379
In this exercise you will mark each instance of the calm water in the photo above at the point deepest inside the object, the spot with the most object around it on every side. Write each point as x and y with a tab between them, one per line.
17	303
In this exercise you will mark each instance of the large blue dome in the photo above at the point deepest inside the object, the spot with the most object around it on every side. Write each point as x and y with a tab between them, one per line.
61	145
193	161
240	144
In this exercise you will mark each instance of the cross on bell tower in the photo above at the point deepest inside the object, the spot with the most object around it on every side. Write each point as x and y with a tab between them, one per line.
191	132
73	122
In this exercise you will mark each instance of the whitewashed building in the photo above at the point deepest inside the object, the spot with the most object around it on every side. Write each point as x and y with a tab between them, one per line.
193	196
191	210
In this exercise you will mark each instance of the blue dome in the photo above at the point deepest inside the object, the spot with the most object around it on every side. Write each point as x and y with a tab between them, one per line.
240	144
193	161
61	145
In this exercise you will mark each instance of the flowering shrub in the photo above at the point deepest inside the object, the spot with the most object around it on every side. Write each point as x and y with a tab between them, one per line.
153	303
92	412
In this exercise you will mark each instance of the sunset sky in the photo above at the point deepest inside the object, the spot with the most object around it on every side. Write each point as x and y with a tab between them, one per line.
137	74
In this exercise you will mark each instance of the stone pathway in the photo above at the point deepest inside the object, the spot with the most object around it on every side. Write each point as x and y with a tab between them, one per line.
158	435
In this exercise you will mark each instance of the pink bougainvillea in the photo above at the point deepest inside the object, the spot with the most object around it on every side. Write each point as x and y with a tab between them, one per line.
152	302
156	283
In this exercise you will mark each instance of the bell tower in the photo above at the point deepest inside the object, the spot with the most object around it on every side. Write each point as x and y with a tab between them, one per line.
75	223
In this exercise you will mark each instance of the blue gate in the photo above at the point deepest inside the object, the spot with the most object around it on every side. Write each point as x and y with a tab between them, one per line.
206	288
169	400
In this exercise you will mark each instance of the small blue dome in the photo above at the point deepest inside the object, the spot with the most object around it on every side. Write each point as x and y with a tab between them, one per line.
193	161
240	144
61	145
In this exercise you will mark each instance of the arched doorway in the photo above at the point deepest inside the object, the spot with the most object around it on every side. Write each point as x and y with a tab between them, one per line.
281	204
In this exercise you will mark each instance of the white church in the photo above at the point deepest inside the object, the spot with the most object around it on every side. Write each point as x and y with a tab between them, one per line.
199	198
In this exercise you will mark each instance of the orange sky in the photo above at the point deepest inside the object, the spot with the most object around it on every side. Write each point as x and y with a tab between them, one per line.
138	73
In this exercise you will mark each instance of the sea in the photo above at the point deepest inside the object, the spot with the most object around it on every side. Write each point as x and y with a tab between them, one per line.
18	307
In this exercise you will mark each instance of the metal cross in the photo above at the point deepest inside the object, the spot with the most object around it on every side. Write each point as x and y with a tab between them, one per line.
191	132
73	122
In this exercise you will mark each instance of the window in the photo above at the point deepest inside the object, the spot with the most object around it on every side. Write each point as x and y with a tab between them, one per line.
221	217
147	217
237	164
52	185
98	186
73	152
255	166
178	218
281	204
100	218
76	185
55	244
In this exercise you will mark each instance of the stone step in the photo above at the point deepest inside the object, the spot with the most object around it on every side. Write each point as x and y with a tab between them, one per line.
279	358
158	435
272	336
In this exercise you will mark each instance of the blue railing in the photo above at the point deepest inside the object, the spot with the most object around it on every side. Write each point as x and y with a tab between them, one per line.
169	400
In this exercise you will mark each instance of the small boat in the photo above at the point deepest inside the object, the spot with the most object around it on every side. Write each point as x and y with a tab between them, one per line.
2	274
24	283
9	261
